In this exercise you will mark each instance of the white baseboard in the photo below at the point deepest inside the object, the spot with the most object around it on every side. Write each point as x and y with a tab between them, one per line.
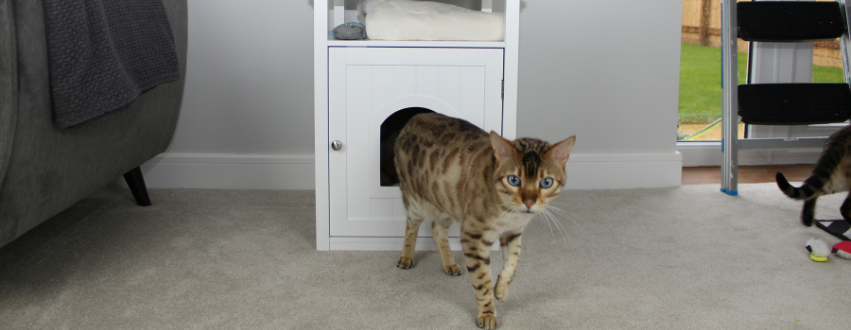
392	244
387	244
709	154
227	171
624	171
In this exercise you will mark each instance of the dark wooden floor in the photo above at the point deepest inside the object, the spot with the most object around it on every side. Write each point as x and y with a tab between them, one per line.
747	174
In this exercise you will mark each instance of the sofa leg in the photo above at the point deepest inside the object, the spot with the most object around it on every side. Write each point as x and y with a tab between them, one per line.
137	186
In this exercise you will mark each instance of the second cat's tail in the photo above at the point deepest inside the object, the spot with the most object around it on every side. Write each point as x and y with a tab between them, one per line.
825	166
804	192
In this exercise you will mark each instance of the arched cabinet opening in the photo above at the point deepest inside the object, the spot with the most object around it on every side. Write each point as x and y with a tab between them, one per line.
390	129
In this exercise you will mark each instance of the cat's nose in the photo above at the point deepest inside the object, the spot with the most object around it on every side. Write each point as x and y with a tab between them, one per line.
529	203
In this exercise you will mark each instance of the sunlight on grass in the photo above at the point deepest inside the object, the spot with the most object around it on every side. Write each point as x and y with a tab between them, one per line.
700	83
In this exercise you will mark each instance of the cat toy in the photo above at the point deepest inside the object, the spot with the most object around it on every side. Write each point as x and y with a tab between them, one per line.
839	229
348	31
818	250
842	249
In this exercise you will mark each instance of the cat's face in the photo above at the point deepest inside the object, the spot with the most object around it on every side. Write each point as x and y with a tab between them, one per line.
530	172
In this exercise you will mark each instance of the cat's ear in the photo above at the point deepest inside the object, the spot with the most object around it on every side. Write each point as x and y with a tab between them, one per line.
502	148
560	151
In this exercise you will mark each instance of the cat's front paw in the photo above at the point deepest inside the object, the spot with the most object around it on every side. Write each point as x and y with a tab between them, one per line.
405	262
501	291
486	322
453	270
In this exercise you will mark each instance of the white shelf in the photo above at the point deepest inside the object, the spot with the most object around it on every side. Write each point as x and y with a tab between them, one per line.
416	44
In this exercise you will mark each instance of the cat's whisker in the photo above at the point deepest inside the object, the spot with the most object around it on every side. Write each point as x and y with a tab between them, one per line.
546	219
566	215
560	211
549	217
564	230
557	210
558	226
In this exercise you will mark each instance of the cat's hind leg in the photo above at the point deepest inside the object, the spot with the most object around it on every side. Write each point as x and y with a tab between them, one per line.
412	227
808	212
440	231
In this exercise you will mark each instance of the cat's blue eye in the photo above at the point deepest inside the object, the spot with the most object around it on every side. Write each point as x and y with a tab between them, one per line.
546	183
513	180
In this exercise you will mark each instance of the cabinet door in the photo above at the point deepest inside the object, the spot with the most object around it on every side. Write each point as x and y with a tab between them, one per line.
366	86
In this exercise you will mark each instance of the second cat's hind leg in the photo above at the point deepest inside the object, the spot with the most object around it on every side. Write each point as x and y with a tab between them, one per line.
808	212
440	231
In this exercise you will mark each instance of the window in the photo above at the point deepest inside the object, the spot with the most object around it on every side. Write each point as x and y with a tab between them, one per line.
699	125
700	70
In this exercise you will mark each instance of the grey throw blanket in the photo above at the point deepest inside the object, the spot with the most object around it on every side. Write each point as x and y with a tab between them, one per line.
104	53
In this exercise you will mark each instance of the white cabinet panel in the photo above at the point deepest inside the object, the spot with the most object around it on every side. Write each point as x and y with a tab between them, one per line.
366	86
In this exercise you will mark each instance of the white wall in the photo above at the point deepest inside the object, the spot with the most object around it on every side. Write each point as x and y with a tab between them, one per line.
247	115
249	82
606	72
609	73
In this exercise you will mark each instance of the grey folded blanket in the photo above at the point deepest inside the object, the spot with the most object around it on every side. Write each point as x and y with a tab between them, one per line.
104	53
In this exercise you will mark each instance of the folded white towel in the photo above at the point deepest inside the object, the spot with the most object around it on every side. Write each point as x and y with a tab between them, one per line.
428	20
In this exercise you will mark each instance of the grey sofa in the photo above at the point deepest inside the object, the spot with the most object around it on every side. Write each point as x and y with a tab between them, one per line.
45	169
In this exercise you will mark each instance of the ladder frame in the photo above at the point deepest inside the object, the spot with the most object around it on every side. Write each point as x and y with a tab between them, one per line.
730	144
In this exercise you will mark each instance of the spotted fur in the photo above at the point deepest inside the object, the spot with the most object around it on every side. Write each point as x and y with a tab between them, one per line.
831	174
452	171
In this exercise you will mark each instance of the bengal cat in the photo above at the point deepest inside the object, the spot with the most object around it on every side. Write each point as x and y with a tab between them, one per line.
831	174
452	171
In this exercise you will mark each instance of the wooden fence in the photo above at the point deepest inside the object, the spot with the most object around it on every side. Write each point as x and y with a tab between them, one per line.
702	26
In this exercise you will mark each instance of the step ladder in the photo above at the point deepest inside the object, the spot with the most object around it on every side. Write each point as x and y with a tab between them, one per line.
780	103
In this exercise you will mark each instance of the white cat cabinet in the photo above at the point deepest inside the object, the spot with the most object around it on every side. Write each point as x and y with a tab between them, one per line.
361	84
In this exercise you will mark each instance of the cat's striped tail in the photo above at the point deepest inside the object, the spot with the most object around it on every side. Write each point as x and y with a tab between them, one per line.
812	185
825	166
806	190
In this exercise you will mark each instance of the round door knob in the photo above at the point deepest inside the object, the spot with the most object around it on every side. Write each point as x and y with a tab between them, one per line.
336	145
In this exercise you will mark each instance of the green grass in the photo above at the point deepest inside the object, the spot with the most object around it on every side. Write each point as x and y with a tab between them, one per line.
826	74
700	82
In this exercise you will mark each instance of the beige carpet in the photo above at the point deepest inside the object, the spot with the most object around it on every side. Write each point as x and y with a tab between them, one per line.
679	258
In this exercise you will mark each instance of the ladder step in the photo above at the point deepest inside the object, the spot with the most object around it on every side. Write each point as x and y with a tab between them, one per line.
781	143
794	104
786	21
